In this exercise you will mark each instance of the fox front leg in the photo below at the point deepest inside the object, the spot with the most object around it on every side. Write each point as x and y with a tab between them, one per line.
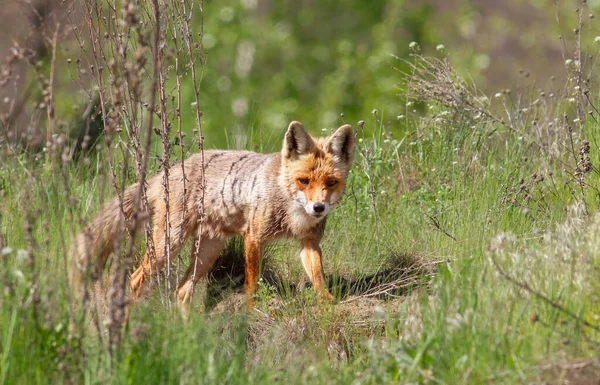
311	260
253	253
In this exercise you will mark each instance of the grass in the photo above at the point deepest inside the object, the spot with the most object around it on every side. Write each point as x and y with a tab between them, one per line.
465	251
467	324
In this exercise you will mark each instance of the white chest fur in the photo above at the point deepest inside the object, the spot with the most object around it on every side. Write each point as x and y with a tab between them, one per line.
300	222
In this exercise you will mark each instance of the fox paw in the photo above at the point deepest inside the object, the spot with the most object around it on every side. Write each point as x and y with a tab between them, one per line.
325	296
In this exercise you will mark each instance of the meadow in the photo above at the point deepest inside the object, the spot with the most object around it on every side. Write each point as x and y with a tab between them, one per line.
466	249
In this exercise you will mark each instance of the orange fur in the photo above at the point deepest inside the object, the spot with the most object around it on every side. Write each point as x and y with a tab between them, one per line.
318	168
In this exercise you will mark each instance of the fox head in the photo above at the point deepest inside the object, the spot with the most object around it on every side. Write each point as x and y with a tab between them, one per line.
315	170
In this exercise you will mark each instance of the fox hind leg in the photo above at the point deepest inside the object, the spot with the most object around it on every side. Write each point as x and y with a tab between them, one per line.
151	266
138	277
205	252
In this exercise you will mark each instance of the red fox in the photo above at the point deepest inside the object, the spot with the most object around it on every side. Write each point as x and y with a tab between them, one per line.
259	196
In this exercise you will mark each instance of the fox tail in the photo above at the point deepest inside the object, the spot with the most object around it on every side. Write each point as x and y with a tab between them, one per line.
90	249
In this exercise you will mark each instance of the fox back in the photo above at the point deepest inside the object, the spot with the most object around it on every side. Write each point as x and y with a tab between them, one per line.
283	194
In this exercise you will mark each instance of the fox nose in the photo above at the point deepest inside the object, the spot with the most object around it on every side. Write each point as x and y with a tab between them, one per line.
319	207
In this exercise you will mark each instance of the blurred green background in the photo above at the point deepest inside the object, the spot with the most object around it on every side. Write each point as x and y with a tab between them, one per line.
269	62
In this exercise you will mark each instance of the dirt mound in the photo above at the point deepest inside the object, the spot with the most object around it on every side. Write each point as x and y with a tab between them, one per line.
581	373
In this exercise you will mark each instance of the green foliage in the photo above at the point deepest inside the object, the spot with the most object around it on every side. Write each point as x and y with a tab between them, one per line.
455	202
266	67
468	324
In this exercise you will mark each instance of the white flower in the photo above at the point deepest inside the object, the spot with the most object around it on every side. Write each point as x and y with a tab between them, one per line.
440	47
597	39
576	120
413	44
239	107
408	104
227	14
498	95
249	4
400	117
571	100
19	275
208	41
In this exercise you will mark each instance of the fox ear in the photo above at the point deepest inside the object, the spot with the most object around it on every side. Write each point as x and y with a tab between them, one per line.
297	141
341	144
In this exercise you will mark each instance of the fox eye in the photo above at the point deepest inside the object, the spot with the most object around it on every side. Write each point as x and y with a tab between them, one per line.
331	183
303	181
